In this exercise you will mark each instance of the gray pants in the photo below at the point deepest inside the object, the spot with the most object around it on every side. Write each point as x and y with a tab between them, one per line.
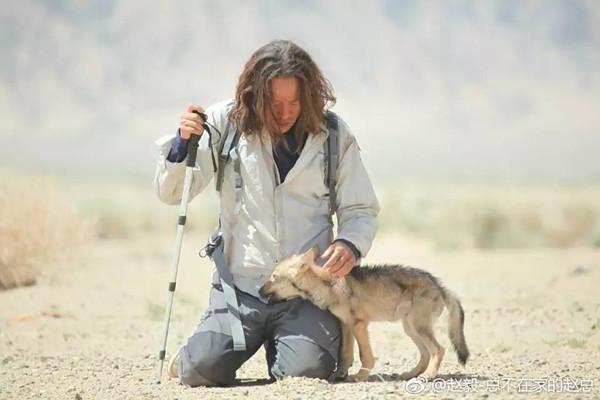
300	340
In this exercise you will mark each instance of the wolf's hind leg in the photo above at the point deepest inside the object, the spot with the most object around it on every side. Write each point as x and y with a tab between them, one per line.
435	350
424	354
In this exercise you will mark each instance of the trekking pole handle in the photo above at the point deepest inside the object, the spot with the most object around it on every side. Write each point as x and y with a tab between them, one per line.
192	148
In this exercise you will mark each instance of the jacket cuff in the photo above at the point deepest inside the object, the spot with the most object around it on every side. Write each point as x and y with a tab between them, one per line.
351	246
178	150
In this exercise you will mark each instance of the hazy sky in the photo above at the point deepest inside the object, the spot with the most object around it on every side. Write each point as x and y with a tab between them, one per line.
431	88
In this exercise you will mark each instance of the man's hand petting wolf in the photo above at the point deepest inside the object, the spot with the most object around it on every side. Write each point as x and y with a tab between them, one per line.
339	259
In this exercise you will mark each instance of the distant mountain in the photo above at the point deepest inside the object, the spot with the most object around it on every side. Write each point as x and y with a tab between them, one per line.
454	88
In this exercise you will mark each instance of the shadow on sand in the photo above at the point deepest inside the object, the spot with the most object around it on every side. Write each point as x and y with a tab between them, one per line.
458	377
373	378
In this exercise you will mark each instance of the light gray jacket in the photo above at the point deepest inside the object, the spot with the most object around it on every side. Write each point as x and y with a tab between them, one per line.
277	219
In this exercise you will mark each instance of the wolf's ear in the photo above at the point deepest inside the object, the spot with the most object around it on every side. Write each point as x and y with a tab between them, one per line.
304	266
312	254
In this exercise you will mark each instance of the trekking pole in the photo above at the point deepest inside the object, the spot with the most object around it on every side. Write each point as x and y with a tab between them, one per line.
192	150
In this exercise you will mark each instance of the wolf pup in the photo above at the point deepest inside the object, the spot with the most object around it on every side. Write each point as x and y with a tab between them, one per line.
385	293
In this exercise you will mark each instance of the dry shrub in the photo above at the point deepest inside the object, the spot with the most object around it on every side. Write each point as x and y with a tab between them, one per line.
130	209
37	226
495	215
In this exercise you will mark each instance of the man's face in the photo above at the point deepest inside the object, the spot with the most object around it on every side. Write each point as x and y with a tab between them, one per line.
285	103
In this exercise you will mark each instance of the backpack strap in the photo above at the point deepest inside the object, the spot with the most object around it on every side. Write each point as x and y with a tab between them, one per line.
232	136
214	249
237	171
332	150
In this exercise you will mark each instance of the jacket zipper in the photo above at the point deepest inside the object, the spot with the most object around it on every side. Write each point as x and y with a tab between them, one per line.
276	202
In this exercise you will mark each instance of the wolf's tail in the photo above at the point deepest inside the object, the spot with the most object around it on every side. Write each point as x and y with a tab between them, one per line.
456	322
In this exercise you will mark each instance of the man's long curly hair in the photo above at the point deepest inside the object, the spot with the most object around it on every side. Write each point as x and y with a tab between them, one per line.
277	59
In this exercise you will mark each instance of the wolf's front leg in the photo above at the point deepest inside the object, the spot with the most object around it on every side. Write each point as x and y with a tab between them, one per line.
347	352
361	333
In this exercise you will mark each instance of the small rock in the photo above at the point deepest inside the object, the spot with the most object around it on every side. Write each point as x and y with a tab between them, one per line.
78	396
579	270
6	360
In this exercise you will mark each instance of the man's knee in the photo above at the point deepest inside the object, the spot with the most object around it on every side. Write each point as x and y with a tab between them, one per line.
204	367
303	358
190	377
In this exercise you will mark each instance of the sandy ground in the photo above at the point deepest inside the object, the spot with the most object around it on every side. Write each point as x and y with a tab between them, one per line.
91	329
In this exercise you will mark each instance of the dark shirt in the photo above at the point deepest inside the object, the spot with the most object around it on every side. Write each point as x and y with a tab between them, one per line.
287	151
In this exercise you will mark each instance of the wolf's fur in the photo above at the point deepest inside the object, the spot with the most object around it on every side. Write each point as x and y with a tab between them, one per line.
381	293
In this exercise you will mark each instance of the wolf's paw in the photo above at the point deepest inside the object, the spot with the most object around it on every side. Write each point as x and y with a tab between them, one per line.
407	376
361	376
341	374
430	376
